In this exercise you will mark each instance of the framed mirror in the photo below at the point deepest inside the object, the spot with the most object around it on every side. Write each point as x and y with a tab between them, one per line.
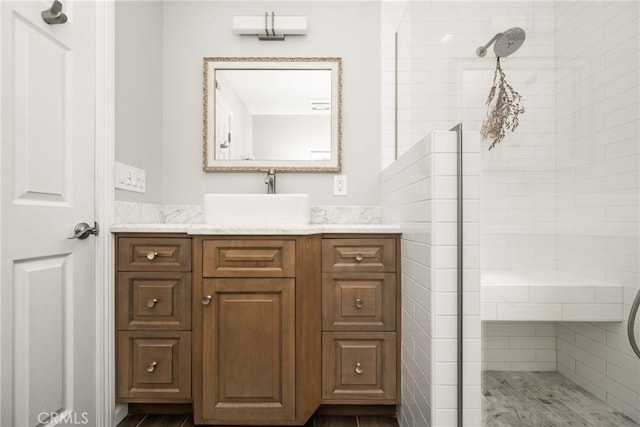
272	113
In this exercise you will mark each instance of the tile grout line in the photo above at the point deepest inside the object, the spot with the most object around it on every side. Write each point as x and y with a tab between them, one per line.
142	420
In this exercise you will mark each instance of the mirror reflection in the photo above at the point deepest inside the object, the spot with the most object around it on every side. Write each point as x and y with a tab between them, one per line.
272	113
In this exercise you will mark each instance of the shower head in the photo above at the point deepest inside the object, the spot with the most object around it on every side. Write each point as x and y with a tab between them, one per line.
509	42
504	44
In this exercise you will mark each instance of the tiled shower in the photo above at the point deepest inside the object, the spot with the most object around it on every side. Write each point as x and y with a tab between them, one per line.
556	218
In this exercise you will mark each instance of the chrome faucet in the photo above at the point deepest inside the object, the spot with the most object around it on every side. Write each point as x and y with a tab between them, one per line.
270	180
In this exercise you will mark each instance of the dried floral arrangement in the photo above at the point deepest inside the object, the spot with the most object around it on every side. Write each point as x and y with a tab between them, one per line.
504	107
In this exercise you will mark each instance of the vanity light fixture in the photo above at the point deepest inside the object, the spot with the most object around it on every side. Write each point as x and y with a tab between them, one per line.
270	26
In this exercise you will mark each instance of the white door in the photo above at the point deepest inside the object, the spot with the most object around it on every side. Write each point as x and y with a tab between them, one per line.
47	284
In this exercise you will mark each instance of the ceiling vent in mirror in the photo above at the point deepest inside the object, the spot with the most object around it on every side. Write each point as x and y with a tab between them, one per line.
320	104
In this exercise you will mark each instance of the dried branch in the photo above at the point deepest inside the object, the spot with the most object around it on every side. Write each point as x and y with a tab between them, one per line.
504	108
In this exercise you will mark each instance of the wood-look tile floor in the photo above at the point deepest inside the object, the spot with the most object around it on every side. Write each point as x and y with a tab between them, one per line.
139	420
543	399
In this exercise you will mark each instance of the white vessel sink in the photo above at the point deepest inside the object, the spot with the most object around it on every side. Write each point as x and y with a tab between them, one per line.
257	209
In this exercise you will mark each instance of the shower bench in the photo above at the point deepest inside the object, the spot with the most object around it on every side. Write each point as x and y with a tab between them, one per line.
548	296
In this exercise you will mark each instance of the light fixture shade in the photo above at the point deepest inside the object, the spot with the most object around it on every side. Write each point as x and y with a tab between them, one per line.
283	25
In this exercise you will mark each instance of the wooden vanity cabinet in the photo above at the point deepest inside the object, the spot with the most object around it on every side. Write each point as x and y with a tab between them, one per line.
153	319
257	330
360	319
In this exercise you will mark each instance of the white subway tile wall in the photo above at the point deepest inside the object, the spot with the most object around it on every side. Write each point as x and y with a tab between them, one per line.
391	15
419	192
406	200
561	193
518	346
442	81
597	100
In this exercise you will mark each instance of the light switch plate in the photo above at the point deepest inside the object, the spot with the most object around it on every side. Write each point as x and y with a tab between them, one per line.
130	178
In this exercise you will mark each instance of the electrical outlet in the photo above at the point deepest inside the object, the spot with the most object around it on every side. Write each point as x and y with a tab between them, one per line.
340	185
129	178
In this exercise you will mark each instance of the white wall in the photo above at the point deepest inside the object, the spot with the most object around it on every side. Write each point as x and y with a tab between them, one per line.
290	137
419	192
192	30
138	97
598	164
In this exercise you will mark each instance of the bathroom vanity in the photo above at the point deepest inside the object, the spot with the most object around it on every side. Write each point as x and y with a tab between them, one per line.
257	328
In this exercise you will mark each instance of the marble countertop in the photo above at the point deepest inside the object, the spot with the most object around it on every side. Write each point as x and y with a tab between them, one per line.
202	229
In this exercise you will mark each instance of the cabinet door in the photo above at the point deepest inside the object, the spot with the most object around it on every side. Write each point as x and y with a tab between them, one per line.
359	366
154	254
359	301
153	365
153	300
248	349
249	258
358	255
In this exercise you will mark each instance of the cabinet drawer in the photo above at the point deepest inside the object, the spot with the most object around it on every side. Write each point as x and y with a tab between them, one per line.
154	365
248	258
359	366
154	254
358	255
154	300
359	301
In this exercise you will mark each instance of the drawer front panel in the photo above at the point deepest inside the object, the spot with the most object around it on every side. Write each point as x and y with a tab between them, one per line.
358	366
248	258
154	254
359	301
154	301
344	255
154	365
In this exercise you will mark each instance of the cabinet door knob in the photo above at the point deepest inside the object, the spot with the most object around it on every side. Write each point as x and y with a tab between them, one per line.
359	257
359	303
151	367
151	255
206	300
152	302
359	368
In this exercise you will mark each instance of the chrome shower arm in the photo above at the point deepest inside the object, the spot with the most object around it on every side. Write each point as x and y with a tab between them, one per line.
482	50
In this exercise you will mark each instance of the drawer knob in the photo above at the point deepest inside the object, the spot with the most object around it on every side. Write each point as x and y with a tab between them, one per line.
359	303
151	367
206	300
359	368
152	302
359	257
151	255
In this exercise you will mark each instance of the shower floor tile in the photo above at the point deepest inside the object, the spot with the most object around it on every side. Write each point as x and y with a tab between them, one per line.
543	399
